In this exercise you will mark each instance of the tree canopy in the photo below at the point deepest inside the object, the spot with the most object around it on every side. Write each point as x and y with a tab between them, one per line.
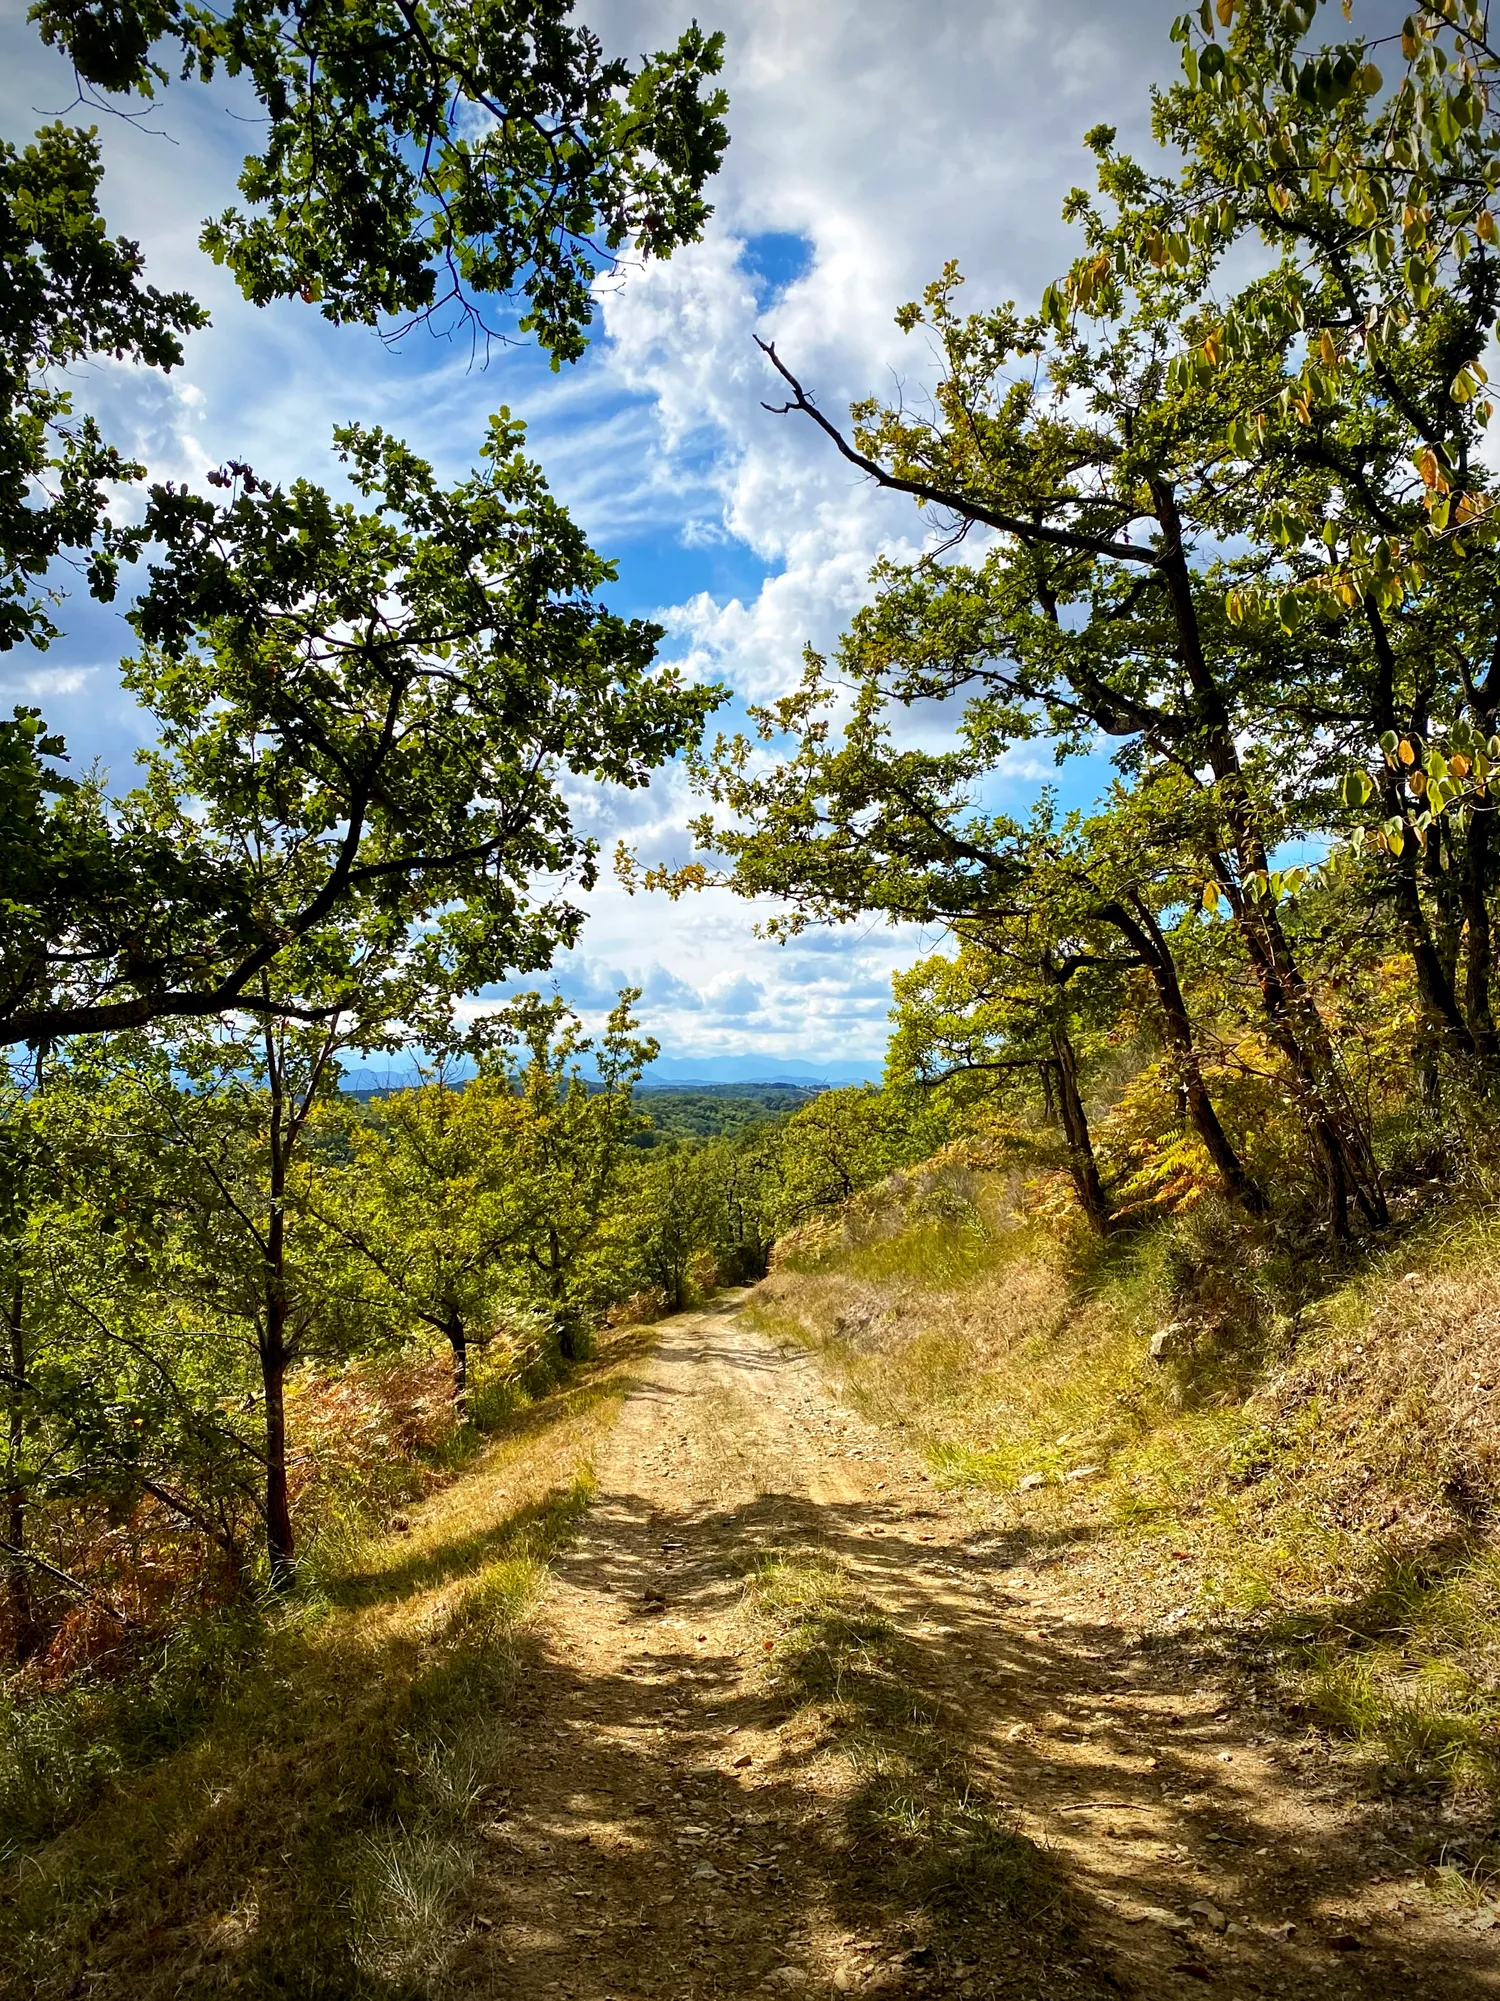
417	157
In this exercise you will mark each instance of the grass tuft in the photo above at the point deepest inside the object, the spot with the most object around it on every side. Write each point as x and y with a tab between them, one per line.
918	1808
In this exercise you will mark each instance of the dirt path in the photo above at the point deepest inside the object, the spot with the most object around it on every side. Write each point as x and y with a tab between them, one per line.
908	1760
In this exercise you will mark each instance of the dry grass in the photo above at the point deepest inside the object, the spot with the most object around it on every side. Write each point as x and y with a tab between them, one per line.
1318	1460
919	1807
311	1828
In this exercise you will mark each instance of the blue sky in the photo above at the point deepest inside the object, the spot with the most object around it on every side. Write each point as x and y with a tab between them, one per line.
871	140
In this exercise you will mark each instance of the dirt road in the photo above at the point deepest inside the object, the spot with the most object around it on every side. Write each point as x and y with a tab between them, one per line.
802	1724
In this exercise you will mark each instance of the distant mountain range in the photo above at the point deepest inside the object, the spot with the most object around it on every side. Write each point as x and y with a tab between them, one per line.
674	1073
682	1072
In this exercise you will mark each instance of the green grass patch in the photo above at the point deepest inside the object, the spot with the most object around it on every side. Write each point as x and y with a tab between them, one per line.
919	1807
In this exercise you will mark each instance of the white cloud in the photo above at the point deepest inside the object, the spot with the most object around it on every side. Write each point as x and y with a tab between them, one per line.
38	684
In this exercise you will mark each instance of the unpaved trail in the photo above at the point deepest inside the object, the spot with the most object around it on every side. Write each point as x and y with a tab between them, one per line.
684	1816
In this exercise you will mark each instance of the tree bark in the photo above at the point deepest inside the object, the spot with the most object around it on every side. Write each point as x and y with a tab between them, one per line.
1435	987
1049	1101
1081	1162
1479	955
280	1546
274	1352
24	1635
458	1340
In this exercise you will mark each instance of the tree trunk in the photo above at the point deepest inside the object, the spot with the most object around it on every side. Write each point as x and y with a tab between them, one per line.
1332	1147
280	1548
1435	987
1479	957
1141	929
18	1580
274	1356
1049	1101
1081	1162
1297	1026
458	1340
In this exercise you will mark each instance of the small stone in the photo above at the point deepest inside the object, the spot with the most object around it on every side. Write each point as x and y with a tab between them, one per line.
1171	1921
1345	1942
740	1763
1031	1481
1211	1915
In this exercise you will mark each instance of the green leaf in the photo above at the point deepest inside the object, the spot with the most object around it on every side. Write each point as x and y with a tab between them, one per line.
1357	788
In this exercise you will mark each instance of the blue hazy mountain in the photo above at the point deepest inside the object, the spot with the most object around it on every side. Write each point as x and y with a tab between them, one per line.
666	1073
683	1070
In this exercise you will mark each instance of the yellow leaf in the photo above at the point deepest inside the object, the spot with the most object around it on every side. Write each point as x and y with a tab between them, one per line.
1225	12
1327	349
1405	752
1484	226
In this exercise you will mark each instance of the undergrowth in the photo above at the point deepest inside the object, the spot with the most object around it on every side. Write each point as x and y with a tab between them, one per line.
1311	1457
283	1799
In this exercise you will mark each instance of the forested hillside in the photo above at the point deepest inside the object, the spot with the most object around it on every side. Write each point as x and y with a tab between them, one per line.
716	1109
1158	1274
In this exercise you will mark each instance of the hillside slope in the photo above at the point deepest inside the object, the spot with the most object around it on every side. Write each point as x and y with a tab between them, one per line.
1229	1437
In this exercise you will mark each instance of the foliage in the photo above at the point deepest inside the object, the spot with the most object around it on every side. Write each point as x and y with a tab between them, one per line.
848	1140
719	1110
674	1203
404	768
504	150
69	294
417	155
1204	505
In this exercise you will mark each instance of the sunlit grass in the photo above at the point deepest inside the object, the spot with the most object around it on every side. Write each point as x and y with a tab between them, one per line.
306	1823
917	1803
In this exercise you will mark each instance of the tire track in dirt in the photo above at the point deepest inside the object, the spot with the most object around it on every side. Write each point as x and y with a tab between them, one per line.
678	1821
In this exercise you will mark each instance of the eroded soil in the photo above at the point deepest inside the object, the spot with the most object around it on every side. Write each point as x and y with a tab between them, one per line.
966	1779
